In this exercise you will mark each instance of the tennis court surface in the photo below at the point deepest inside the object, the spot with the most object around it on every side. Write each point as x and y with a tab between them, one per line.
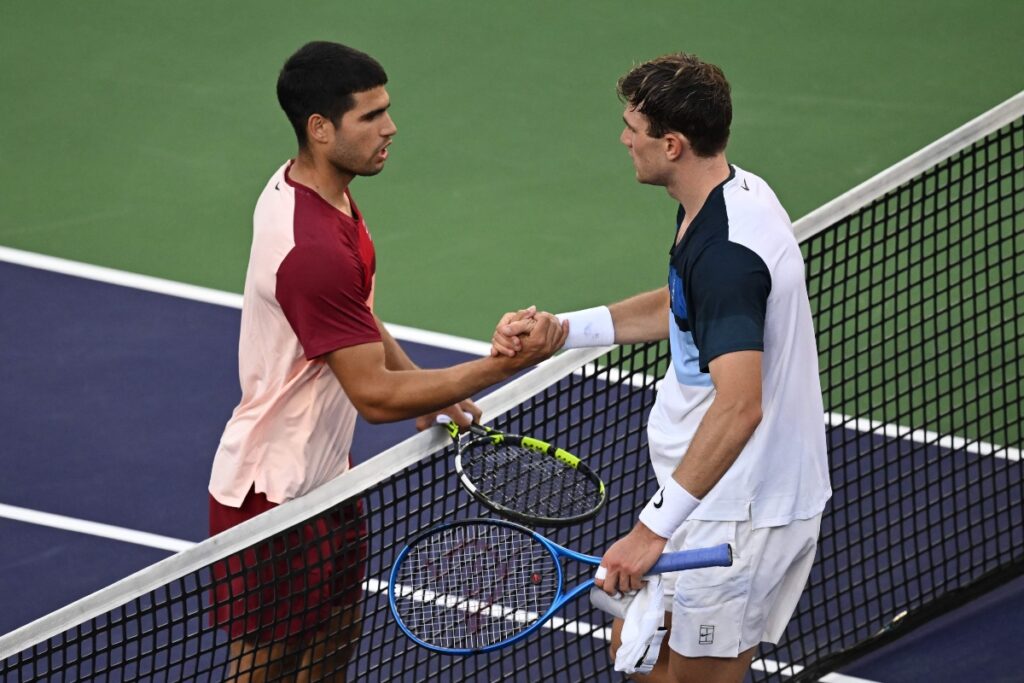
915	280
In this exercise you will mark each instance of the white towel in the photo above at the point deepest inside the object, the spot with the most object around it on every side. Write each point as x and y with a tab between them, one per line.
642	618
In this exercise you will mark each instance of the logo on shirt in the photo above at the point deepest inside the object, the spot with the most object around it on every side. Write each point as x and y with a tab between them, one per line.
677	298
707	635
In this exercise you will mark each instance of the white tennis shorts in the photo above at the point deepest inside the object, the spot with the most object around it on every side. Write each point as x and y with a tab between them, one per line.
722	611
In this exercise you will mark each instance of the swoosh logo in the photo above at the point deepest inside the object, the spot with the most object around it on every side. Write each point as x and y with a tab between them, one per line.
661	499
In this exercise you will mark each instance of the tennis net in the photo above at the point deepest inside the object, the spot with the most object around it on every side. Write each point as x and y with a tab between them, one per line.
915	280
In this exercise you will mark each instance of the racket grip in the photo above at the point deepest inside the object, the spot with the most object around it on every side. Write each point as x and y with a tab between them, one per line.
697	558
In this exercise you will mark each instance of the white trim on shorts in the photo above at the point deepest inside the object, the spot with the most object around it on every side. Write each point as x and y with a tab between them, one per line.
723	611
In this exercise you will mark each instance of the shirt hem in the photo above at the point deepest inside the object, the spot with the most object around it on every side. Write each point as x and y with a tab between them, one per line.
229	500
732	348
741	511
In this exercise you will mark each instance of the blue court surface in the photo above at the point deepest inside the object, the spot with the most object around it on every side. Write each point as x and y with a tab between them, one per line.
111	407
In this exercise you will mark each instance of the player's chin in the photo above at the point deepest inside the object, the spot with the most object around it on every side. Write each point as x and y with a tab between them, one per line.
372	169
376	164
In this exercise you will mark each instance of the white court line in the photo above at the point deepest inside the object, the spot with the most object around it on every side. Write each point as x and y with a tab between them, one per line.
953	443
210	296
583	628
144	538
82	526
865	426
120	277
843	678
454	343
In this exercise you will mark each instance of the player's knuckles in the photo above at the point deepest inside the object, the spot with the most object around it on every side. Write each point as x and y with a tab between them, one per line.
630	568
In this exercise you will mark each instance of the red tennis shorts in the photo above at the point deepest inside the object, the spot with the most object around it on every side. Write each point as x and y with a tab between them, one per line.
286	587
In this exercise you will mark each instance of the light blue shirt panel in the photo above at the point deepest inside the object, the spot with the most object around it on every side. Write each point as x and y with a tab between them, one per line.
686	358
685	355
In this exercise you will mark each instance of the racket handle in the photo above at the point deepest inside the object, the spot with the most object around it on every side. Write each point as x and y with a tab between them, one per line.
454	431
715	556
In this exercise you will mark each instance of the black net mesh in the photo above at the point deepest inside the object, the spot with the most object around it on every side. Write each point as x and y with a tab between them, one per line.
919	310
918	302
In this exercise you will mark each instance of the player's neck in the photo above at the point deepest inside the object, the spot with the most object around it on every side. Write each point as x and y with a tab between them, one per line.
324	178
695	180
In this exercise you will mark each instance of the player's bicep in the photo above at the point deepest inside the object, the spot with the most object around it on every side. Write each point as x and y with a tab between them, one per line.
737	376
321	296
362	373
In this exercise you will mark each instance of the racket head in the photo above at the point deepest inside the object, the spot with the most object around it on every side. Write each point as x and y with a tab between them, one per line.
474	585
528	480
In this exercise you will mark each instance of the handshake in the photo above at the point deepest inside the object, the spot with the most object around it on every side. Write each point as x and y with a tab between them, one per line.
528	336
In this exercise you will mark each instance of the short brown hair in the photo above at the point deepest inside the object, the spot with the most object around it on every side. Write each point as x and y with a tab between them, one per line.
679	92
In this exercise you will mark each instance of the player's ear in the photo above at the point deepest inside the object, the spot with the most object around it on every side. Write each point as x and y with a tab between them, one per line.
318	129
675	146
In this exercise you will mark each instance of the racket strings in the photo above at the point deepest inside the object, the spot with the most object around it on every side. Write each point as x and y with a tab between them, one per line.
474	585
529	481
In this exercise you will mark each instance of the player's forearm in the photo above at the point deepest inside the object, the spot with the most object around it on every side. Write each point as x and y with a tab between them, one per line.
381	394
641	318
401	394
721	436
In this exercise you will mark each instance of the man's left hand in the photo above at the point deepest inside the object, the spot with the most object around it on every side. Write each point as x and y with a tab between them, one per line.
462	414
629	559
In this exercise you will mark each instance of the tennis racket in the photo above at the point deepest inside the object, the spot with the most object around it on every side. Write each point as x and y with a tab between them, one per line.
478	585
525	479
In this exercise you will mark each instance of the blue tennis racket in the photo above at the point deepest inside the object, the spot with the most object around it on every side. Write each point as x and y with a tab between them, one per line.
477	585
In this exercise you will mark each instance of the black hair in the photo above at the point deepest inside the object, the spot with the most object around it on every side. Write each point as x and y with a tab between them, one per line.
320	78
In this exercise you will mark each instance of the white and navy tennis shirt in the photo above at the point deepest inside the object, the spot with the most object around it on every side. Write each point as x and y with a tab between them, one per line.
736	282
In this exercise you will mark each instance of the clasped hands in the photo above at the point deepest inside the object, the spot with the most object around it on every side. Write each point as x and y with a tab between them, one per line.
528	331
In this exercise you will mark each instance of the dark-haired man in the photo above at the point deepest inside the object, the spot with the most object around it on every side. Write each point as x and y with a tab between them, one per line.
736	434
312	354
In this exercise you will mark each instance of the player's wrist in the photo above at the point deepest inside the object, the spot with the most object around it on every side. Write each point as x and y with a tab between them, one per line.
589	327
503	366
668	509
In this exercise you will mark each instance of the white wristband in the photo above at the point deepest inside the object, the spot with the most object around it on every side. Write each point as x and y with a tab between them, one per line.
668	509
589	327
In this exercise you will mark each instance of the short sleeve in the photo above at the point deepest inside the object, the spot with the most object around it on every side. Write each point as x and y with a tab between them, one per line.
323	297
730	285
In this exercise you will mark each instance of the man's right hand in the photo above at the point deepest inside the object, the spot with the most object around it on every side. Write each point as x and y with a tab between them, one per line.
537	335
505	341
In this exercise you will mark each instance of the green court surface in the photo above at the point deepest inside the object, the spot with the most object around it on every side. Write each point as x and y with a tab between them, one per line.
138	135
